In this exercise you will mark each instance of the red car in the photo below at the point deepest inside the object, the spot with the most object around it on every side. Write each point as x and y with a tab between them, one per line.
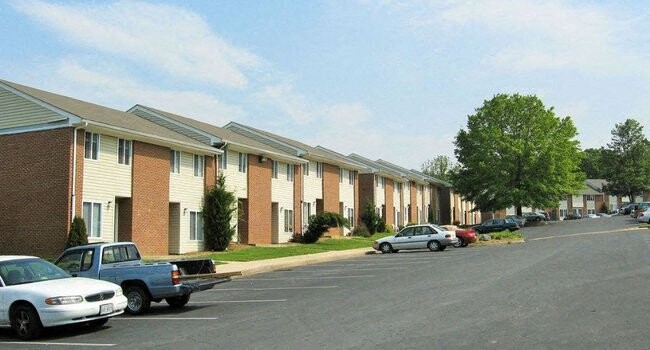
465	237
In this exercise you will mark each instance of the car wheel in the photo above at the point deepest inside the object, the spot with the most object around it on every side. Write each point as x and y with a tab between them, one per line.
386	248
98	323
25	322
443	247
178	302
138	300
434	246
459	243
465	244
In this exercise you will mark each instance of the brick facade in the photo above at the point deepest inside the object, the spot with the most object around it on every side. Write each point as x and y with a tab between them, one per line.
36	179
259	202
366	190
413	202
150	198
330	188
210	173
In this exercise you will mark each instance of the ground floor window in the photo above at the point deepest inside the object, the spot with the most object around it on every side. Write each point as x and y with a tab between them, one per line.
196	226
564	212
591	211
288	220
577	211
351	216
92	215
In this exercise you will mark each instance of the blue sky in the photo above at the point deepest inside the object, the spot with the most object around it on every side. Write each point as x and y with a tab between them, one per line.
385	79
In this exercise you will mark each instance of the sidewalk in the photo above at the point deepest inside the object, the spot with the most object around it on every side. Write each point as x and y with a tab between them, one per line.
254	267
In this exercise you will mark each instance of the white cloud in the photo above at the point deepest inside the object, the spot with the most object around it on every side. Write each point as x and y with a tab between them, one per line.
121	92
168	38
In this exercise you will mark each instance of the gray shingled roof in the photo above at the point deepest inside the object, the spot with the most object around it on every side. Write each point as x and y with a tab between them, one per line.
104	115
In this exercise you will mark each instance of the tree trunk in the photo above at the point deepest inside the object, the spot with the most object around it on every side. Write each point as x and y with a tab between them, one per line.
519	212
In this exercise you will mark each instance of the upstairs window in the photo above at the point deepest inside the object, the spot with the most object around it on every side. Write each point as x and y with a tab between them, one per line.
223	160
199	163
319	170
175	162
124	151
92	146
243	162
341	175
290	172
274	169
351	177
305	169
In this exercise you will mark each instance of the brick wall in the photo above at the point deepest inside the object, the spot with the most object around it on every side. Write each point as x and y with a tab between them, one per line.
600	199
210	173
259	201
297	199
331	188
150	198
389	203
366	190
413	202
35	192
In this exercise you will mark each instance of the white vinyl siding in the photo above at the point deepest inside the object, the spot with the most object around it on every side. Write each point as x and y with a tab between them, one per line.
380	194
124	151
312	187
187	190
613	204
346	196
236	181
103	182
282	193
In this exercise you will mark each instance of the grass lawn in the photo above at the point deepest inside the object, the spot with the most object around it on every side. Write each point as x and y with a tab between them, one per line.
251	253
506	235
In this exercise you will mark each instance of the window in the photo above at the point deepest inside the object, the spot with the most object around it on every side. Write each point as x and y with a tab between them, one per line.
92	146
351	216
290	172
175	162
591	197
92	215
305	169
351	177
577	211
306	213
124	151
341	175
196	226
243	162
382	182
591	211
121	253
198	165
288	220
274	169
77	260
319	170
223	159
564	212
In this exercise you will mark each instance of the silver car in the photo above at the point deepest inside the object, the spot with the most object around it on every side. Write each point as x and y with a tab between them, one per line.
417	237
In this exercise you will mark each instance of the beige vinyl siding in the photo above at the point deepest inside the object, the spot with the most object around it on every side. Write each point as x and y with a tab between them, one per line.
313	187
103	180
186	189
346	195
577	201
175	216
380	197
16	111
426	202
236	182
282	193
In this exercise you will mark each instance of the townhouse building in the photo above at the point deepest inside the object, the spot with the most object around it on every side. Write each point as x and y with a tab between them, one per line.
130	179
328	181
415	199
265	180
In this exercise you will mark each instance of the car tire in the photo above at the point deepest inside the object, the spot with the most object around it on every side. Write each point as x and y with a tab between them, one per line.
434	246
465	244
138	300
178	302
386	248
98	323
459	243
442	247
25	322
395	250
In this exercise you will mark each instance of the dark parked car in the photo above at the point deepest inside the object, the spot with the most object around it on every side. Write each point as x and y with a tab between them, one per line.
628	208
520	220
496	225
535	216
572	216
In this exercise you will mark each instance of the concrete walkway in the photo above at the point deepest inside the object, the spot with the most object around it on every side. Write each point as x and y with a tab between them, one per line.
259	266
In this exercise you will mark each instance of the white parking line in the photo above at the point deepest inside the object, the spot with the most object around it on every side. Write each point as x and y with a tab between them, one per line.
167	318
56	344
301	278
239	301
351	269
276	288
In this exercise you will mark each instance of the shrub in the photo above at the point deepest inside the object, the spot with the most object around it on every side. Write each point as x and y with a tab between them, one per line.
361	232
381	226
432	219
370	218
603	208
320	223
77	235
220	205
506	235
389	229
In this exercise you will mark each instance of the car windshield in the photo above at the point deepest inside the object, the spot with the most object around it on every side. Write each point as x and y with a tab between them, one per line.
439	227
29	270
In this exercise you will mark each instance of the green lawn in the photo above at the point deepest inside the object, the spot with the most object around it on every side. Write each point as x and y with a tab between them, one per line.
246	253
506	235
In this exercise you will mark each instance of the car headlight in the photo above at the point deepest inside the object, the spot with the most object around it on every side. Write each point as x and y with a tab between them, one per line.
118	292
73	299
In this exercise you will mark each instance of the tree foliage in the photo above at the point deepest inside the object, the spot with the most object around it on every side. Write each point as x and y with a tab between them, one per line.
516	152
628	160
218	211
77	235
320	223
439	167
370	218
593	163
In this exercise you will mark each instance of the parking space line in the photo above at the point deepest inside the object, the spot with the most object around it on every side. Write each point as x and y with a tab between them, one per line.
584	234
167	318
239	301
301	278
355	269
56	344
274	288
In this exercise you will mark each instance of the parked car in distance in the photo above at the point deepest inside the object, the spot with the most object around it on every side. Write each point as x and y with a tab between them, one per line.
546	216
642	208
572	216
142	282
496	225
35	293
533	216
465	237
429	236
592	216
627	209
645	217
520	220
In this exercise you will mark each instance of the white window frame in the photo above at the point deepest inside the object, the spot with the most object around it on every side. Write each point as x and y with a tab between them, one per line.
590	197
351	177
243	162
319	170
290	172
124	151
274	169
341	175
92	222
223	159
305	169
351	216
199	165
92	146
288	220
196	226
174	161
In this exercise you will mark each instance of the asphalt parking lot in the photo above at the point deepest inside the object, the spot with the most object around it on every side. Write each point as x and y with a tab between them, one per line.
573	285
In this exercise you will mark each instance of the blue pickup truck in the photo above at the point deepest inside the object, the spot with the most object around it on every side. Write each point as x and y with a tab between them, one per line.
142	282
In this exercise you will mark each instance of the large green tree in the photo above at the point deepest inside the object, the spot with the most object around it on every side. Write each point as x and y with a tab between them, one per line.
439	167
218	211
593	163
628	160
516	152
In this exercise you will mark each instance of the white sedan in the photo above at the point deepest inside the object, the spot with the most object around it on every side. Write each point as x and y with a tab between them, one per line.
645	217
35	294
